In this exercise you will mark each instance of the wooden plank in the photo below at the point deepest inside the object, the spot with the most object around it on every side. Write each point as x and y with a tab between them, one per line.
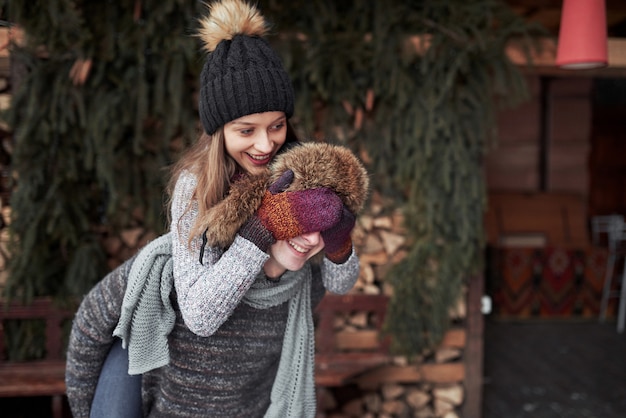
474	350
339	369
41	385
524	180
433	373
358	340
390	374
333	378
32	368
353	302
455	337
443	373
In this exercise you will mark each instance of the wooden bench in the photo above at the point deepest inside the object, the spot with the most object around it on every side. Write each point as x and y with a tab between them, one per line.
344	355
42	377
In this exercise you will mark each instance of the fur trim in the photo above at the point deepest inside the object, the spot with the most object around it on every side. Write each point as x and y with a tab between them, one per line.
314	165
318	164
228	18
226	218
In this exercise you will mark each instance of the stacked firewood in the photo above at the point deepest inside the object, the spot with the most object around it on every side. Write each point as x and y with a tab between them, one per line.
380	241
431	385
120	248
422	400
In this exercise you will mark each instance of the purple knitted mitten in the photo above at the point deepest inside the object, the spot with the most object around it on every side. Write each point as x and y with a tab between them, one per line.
284	215
337	239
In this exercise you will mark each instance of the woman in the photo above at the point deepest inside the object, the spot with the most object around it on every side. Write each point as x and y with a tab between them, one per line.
215	323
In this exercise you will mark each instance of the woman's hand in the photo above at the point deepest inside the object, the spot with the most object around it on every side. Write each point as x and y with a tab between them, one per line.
287	214
338	239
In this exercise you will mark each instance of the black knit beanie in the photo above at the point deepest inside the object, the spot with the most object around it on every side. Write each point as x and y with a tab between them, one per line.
242	75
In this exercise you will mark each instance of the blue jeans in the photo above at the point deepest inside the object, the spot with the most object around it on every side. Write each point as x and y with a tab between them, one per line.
118	394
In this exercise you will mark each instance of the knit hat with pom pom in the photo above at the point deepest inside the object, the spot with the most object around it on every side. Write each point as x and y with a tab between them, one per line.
242	74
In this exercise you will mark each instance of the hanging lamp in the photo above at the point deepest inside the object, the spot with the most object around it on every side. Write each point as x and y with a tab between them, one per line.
582	35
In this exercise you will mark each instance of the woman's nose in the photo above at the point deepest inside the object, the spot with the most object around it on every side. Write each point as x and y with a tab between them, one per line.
312	238
264	143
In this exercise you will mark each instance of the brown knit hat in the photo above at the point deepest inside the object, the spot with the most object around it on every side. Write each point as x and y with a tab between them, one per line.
242	74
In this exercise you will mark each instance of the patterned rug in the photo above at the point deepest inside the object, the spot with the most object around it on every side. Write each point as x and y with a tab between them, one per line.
548	282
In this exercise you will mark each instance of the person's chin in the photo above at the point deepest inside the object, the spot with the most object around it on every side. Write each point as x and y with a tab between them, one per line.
295	265
255	169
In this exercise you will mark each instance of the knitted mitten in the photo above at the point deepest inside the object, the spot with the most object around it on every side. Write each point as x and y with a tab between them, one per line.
283	215
255	232
337	240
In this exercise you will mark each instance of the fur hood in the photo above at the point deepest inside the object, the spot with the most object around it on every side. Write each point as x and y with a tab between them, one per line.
314	165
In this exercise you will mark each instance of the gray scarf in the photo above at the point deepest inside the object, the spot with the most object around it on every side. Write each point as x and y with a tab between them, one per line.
147	318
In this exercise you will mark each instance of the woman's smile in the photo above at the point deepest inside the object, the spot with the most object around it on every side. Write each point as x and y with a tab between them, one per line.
299	249
260	159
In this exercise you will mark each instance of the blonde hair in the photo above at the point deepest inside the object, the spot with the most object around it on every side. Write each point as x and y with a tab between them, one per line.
213	168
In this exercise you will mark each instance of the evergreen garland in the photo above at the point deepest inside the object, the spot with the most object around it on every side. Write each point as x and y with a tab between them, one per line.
88	155
425	120
89	152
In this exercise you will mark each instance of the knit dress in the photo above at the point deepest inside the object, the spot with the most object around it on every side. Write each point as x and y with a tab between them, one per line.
224	354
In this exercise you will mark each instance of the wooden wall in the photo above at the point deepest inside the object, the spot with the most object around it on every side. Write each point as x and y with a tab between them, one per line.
513	162
560	142
607	161
543	144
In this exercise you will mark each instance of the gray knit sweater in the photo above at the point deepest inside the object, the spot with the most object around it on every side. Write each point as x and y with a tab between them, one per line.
224	354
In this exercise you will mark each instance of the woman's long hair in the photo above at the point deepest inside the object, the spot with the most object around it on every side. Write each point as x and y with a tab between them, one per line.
213	168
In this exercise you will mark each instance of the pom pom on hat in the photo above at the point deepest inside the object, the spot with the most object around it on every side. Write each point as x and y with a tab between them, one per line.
242	74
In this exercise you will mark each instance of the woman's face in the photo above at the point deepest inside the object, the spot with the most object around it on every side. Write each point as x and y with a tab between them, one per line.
253	140
291	254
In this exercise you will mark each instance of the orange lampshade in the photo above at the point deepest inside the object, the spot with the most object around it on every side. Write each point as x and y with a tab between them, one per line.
582	35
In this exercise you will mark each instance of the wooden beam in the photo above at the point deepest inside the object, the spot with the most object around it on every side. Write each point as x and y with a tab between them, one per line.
541	59
443	372
474	350
611	5
426	373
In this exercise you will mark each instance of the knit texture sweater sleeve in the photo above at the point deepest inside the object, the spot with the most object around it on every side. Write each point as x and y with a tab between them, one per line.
340	278
220	282
91	337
